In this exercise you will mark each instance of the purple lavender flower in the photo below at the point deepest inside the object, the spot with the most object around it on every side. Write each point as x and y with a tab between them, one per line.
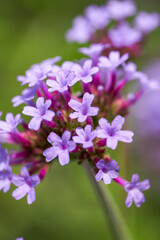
85	72
112	132
107	171
113	60
85	136
81	30
98	17
39	113
21	238
63	81
84	109
10	124
147	22
94	51
134	189
26	185
6	179
26	97
3	158
124	35
60	147
119	10
38	72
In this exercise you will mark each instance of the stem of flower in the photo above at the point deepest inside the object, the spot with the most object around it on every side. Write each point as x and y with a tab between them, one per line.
115	221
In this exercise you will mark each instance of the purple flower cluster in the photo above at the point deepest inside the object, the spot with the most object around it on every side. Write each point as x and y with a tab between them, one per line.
94	25
68	125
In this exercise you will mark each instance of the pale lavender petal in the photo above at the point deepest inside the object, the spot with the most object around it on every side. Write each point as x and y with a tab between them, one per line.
66	135
20	192
112	142
24	172
106	178
50	153
35	123
74	104
64	157
118	122
53	137
129	200
125	136
144	185
31	197
99	175
30	111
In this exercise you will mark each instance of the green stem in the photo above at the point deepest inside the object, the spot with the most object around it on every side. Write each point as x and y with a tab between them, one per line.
115	221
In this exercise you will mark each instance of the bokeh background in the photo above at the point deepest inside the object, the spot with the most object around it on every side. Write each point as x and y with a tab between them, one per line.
66	206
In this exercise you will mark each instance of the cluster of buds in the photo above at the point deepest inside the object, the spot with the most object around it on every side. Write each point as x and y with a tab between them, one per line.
69	125
109	24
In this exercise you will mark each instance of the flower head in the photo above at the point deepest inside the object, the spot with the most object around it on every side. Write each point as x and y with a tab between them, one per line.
84	109
26	185
134	190
60	147
113	133
39	113
107	171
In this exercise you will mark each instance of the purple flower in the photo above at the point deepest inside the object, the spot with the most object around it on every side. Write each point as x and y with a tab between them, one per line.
26	97
3	158
5	179
124	35
39	113
94	51
84	109
85	72
147	22
107	171
38	72
119	10
21	238
113	133
81	30
10	124
63	81
134	189
98	17
85	136
26	185
113	60
130	69
60	147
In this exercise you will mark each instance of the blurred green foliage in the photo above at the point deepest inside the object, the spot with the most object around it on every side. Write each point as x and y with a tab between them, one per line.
66	208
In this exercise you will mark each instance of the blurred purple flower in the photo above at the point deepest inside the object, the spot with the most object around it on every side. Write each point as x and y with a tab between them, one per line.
10	124
6	179
107	171
26	185
85	136
147	22
63	81
124	35
60	147
134	189
85	72
119	10
3	158
113	133
113	60
39	113
84	109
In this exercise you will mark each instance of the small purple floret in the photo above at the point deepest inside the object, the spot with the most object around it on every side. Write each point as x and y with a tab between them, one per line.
26	185
5	179
134	189
60	147
113	133
10	124
64	80
85	136
107	171
39	113
84	109
3	158
113	60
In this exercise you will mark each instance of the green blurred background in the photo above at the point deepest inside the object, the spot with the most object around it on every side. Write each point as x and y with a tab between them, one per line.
66	206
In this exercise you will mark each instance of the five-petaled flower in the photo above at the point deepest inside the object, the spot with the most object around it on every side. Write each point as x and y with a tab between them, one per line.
134	189
85	136
60	147
39	113
107	171
26	185
84	109
113	133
